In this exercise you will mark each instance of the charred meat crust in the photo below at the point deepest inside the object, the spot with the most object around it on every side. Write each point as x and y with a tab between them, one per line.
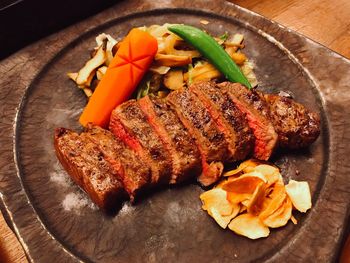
232	121
209	139
134	173
203	128
258	116
134	121
185	154
87	166
296	126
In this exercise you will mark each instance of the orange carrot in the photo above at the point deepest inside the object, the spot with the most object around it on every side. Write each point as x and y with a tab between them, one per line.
125	71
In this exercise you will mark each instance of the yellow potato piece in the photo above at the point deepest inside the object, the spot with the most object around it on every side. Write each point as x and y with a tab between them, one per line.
281	216
216	198
249	226
299	194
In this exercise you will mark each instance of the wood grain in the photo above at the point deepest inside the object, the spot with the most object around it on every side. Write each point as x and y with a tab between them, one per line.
324	21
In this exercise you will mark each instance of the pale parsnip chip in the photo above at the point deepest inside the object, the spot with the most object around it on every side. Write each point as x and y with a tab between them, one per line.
270	172
222	220
255	174
281	216
249	226
246	166
242	185
255	204
299	194
216	198
274	202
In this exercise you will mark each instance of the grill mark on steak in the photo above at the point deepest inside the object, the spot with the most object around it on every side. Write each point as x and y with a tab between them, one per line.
210	141
295	125
183	142
135	173
231	121
184	153
135	126
258	116
87	166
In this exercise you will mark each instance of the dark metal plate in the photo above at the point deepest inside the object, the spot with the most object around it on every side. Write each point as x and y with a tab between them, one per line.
54	220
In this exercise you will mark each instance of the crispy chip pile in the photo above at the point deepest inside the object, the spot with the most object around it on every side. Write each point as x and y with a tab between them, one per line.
253	198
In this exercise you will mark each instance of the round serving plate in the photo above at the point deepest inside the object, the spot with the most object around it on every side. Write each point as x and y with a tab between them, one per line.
56	222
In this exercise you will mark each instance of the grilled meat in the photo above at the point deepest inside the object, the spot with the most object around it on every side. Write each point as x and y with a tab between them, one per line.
189	134
295	125
184	153
87	166
134	175
258	116
210	140
143	139
229	119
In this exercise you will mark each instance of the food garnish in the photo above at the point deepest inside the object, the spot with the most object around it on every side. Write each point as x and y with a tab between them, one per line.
211	50
256	188
124	73
173	54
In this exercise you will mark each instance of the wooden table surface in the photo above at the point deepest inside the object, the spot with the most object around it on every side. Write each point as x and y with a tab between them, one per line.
324	21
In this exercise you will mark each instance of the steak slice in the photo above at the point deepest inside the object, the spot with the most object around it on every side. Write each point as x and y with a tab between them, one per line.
258	116
177	140
296	126
87	166
209	139
230	120
130	124
134	174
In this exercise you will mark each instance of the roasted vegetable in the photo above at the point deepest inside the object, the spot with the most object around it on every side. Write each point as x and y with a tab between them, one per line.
121	78
172	60
211	50
91	65
174	79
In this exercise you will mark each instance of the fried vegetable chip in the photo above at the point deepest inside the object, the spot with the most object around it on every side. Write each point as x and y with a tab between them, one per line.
281	216
299	194
250	226
253	198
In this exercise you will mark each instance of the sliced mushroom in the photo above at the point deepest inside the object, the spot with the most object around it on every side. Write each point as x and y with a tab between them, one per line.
72	75
174	79
159	69
100	72
91	65
172	60
204	71
170	43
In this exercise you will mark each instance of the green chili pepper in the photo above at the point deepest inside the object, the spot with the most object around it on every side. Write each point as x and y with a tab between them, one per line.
211	50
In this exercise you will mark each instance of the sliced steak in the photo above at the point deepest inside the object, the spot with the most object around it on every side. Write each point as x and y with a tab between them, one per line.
258	116
86	165
295	125
184	153
230	120
209	139
135	174
130	124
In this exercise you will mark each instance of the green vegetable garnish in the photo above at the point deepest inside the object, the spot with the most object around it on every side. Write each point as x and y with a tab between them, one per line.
224	36
212	51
